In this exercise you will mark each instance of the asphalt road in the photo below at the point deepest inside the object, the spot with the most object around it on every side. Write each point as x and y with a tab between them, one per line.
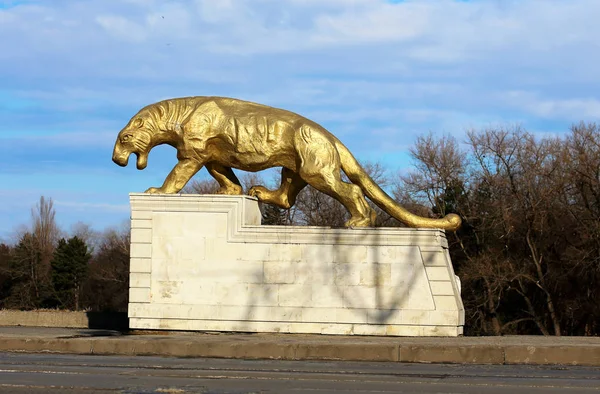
50	373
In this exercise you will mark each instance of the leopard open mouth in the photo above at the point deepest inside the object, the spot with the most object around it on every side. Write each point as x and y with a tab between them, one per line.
142	160
123	159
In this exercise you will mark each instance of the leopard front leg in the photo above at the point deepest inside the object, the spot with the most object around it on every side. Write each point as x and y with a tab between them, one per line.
178	177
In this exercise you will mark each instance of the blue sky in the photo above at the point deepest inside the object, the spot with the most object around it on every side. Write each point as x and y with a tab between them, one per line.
376	73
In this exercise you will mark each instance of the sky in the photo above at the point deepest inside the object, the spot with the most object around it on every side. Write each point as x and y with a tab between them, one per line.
376	73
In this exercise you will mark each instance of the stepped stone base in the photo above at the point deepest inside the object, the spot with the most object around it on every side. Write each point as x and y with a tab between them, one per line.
204	263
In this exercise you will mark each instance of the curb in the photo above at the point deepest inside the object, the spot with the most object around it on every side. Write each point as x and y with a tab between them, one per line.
326	349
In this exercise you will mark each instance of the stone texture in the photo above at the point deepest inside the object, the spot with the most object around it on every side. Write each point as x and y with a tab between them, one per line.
43	318
486	354
206	263
540	355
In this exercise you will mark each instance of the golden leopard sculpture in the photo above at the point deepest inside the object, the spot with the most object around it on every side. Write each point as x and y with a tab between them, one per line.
224	133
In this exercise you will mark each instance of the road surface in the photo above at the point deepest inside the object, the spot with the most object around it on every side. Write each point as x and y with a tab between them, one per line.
52	373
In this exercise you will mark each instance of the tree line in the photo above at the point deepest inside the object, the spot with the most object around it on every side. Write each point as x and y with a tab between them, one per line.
528	253
47	268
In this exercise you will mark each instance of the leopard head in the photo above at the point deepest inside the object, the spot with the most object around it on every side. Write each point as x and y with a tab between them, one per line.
136	138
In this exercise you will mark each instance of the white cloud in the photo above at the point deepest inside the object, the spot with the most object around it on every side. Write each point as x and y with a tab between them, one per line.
385	22
429	64
122	28
554	108
584	108
443	26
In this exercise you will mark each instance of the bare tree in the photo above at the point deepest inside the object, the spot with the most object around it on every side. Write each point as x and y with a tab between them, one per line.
201	186
439	165
314	208
520	198
29	268
107	284
581	230
520	172
210	185
87	234
45	230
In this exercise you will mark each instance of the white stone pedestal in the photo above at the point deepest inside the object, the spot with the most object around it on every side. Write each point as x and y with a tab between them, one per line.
204	262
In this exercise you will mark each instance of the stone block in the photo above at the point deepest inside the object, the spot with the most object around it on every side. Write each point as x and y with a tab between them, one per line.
317	253
294	295
137	294
346	274
279	272
434	258
205	263
437	273
284	253
327	296
140	265
441	288
444	302
140	251
138	214
314	272
369	329
141	223
141	235
375	274
137	279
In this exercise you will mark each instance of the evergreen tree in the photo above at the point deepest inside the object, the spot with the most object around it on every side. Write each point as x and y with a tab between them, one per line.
5	277
29	283
69	270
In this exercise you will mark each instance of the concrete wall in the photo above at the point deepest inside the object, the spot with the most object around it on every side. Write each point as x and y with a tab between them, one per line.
64	319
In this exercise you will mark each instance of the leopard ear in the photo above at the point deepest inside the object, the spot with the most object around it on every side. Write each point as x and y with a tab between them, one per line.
137	123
